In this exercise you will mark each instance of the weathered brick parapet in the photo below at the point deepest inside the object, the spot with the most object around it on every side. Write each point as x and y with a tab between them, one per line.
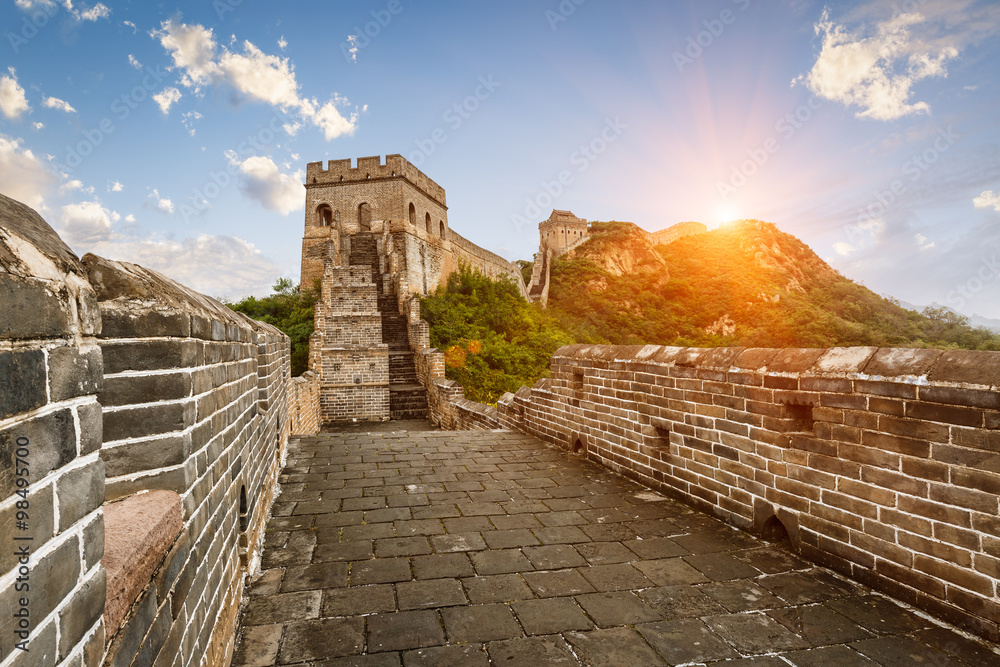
51	476
118	383
881	463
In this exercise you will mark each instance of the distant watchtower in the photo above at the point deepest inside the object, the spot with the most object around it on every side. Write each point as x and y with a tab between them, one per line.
343	200
560	231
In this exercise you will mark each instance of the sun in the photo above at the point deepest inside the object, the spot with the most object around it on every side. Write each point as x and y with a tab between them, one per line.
726	213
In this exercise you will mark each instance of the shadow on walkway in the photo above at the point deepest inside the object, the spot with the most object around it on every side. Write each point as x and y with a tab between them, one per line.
434	548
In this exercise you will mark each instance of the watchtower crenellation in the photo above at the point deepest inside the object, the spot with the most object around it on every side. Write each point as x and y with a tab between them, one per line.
374	169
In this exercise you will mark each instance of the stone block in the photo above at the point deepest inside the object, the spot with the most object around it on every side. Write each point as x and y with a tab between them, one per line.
31	309
127	637
51	445
93	542
755	358
41	524
150	355
82	612
893	362
138	389
74	372
23	373
91	427
138	533
844	359
142	422
135	322
80	492
967	367
150	454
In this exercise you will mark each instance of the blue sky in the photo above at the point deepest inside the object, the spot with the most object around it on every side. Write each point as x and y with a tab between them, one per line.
176	135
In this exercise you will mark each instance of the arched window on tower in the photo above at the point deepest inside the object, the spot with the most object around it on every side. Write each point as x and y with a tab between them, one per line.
413	214
442	229
427	224
324	216
365	217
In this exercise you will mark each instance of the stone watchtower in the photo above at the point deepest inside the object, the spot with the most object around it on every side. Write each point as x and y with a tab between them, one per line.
562	232
376	239
343	200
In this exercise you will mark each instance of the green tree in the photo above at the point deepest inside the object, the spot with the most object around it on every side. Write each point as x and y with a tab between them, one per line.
291	311
493	339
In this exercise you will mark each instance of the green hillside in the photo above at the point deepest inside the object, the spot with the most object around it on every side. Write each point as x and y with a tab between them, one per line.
746	284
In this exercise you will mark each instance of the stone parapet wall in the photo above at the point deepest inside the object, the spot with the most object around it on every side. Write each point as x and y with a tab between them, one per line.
880	463
195	401
489	264
52	583
120	382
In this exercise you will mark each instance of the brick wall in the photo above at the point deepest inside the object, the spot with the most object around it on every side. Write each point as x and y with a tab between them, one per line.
122	382
880	463
50	434
303	404
195	402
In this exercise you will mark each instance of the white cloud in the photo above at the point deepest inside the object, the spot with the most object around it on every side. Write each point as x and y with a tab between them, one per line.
282	43
167	98
56	103
263	182
86	223
115	186
988	199
214	265
38	126
133	61
253	75
353	41
129	218
189	119
161	204
22	175
876	73
98	11
922	242
844	249
13	102
130	25
72	185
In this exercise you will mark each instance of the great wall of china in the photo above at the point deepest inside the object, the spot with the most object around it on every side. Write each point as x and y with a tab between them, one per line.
150	422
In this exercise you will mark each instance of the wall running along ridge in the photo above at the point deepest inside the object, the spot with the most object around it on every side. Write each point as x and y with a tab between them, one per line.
883	464
156	419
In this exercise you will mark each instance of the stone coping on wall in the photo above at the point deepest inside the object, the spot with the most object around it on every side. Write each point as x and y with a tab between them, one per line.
911	366
137	302
138	533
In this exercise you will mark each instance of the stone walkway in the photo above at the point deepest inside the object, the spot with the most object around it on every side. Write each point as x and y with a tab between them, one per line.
489	548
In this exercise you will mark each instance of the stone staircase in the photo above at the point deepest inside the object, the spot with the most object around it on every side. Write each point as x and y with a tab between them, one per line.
407	397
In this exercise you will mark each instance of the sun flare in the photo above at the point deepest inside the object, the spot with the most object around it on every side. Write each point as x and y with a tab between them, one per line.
726	213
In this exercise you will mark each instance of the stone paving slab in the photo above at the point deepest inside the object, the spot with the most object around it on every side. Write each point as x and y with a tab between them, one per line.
420	547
